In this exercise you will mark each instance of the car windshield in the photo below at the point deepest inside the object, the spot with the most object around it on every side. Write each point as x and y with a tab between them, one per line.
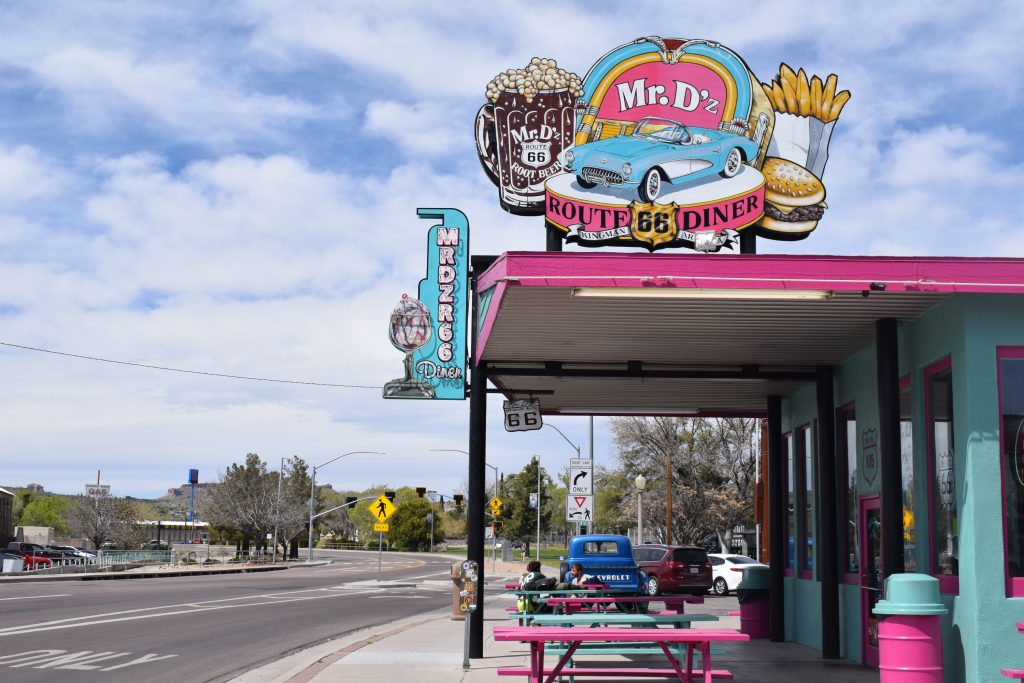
741	559
663	130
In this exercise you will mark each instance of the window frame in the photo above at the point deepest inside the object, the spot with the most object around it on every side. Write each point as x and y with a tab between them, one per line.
844	413
1014	585
800	441
948	584
792	521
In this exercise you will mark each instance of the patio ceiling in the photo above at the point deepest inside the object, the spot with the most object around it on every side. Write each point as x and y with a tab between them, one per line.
696	334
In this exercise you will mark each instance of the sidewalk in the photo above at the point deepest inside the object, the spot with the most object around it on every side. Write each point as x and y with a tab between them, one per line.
428	648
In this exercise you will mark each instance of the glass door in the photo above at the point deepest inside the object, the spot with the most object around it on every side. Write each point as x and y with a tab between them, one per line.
871	574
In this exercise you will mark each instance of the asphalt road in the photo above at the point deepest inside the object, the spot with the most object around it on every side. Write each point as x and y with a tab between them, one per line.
204	628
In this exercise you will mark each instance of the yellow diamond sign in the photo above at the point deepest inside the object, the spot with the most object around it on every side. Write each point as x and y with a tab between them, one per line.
382	508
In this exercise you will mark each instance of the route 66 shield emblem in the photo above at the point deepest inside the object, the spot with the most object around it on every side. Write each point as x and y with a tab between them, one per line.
653	223
536	154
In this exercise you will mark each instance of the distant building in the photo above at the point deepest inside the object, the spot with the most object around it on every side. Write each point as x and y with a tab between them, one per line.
6	517
186	489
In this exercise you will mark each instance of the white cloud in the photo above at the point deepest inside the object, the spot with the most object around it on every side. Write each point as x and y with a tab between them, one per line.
25	175
421	129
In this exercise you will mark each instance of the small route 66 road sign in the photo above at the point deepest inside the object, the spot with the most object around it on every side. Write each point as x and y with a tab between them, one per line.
522	415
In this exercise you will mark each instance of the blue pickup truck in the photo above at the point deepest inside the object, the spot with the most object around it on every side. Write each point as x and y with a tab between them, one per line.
608	558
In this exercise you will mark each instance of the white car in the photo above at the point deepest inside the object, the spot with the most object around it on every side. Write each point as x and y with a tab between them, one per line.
727	571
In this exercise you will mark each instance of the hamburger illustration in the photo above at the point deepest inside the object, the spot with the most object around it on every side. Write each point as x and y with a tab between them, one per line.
794	199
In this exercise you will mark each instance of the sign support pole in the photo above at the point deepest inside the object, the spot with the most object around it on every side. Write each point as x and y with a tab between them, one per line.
380	552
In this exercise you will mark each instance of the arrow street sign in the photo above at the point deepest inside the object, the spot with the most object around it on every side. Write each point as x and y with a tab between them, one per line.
579	508
581	477
382	508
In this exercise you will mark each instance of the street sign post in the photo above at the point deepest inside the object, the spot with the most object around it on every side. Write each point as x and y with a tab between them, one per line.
523	415
382	508
581	477
579	508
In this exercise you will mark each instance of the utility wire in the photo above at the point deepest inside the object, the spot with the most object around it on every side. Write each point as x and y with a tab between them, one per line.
189	372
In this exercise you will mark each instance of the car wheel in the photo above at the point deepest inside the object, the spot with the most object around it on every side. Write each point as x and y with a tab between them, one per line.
650	186
584	183
652	586
733	162
721	587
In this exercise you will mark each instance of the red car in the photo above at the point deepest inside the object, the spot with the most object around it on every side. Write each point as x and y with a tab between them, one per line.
31	555
674	568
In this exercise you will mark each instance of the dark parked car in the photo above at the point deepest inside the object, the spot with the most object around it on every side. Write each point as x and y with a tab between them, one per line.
674	569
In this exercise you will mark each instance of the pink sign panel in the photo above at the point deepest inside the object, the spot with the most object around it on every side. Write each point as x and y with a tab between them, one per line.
689	93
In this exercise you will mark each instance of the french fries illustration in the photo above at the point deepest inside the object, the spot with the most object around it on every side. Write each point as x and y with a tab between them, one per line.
792	93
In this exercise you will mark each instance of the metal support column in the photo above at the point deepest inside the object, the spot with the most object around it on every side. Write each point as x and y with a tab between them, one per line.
776	521
554	239
748	241
476	495
828	535
890	467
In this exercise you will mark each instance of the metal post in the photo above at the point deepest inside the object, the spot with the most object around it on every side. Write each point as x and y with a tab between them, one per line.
639	517
277	511
827	537
890	468
380	552
776	522
192	512
312	500
476	491
538	506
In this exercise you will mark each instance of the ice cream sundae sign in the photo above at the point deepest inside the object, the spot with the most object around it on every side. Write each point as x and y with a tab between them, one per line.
671	143
431	329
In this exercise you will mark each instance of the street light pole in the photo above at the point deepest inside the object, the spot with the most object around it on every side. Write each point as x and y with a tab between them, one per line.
312	494
277	509
641	484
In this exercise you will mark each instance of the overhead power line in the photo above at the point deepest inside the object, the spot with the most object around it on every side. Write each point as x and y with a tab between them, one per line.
188	372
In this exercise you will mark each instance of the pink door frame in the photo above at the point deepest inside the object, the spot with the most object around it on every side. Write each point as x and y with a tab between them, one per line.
866	504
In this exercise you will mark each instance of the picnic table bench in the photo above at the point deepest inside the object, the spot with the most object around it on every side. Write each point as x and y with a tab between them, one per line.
577	603
619	619
698	640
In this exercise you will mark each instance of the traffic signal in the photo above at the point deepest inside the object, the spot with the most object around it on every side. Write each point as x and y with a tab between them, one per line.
350	499
421	491
390	495
496	526
458	500
583	528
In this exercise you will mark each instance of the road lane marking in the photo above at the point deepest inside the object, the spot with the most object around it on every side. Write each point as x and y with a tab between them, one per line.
97	619
80	661
35	597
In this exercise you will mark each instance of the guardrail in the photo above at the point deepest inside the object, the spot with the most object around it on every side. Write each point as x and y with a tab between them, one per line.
111	557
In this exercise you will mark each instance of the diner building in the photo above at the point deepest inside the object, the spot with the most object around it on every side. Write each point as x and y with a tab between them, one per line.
894	395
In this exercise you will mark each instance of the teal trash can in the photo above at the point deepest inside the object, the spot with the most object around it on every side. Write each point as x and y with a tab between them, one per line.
752	593
910	631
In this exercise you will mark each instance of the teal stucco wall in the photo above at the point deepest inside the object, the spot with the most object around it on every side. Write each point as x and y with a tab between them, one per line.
979	636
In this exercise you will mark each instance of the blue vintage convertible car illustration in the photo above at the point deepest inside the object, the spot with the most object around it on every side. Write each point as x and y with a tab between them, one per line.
659	151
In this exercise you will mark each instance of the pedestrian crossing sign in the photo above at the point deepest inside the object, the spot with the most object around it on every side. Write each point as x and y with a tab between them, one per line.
382	508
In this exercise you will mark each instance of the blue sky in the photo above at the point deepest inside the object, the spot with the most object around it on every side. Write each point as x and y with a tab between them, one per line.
233	188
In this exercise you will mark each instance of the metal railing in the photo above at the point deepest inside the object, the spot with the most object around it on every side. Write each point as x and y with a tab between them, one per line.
108	558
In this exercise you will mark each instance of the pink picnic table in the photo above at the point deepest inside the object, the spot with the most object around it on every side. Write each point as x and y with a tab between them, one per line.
699	639
579	603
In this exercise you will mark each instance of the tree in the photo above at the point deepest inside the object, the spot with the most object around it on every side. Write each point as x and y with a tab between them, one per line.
409	525
244	500
46	511
709	462
291	510
520	520
106	520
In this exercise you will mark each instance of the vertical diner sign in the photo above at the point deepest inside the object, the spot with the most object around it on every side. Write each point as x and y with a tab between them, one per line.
441	362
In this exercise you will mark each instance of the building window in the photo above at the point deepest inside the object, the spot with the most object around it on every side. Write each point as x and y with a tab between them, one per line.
846	460
805	475
1011	408
787	446
907	463
945	553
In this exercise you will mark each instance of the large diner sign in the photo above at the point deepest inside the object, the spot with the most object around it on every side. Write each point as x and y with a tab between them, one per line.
676	143
431	329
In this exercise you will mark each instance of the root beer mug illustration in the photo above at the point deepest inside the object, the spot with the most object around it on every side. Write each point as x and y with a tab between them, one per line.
520	133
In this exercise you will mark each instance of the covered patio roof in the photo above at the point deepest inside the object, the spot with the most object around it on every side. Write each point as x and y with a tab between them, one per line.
697	334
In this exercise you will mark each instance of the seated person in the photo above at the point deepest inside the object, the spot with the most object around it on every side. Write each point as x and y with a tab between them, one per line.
575	577
533	572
